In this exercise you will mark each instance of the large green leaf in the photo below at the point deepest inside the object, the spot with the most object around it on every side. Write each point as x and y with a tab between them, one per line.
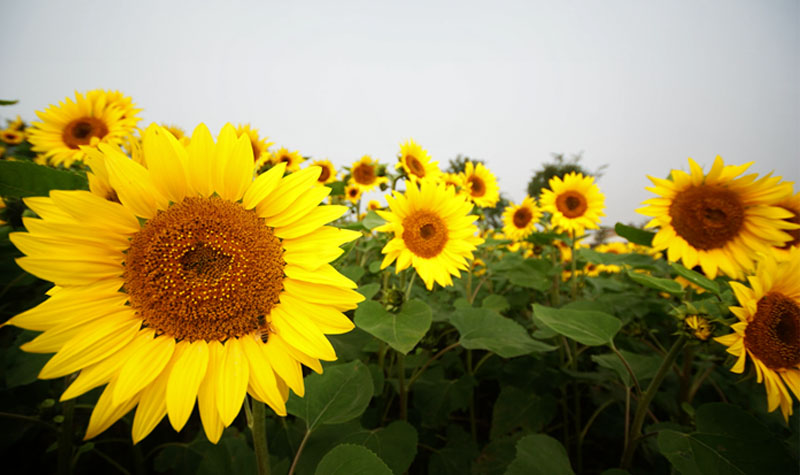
402	330
584	326
635	235
483	329
395	444
372	220
339	394
351	459
696	278
539	454
727	441
19	179
518	408
665	285
643	366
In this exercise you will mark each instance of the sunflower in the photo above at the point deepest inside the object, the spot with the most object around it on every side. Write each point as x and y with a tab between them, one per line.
479	185
352	192
720	220
16	124
520	221
575	203
202	283
453	179
293	160
98	117
792	204
416	163
768	329
260	145
12	136
328	173
178	133
374	205
699	327
364	174
432	232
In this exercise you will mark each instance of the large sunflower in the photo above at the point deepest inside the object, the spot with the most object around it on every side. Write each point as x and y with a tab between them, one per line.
519	221
364	174
432	232
768	329
293	160
328	172
416	163
98	117
480	186
259	144
201	283
575	203
720	220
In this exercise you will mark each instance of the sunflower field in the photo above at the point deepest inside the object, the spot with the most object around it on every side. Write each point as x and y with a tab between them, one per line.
212	303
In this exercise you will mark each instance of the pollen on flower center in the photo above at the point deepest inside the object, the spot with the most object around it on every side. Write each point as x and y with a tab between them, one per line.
522	217
204	269
424	233
324	175
774	334
477	187
707	217
571	204
80	131
364	174
415	166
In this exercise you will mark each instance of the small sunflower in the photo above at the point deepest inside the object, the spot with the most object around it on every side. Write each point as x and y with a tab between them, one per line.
432	232
293	160
328	173
416	163
519	221
575	203
259	144
364	174
16	124
699	326
453	179
352	192
200	284
178	133
374	205
718	220
792	204
480	186
768	330
95	118
12	136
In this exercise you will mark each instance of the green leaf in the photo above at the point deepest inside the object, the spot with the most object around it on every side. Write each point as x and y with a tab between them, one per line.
495	302
351	459
339	394
665	285
584	326
230	455
403	330
436	396
517	408
635	235
369	290
23	368
530	274
727	440
6	102
395	444
643	366
483	329
372	220
353	272
540	454
695	278
20	179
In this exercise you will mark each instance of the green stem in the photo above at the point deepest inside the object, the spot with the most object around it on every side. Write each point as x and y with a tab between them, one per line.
574	276
299	451
410	286
627	367
435	357
65	439
644	402
401	378
258	426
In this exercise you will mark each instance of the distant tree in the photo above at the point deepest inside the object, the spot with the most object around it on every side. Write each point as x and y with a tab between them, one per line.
459	164
559	167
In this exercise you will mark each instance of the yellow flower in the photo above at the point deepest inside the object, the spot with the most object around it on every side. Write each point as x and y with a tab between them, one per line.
768	329
178	133
687	283
260	145
293	160
480	186
200	284
353	193
98	117
328	173
792	204
453	179
432	232
700	327
575	203
12	136
17	124
374	205
478	267
416	163
520	221
364	174
717	221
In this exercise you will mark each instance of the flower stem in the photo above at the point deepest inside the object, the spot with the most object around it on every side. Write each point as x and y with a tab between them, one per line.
644	402
65	439
258	426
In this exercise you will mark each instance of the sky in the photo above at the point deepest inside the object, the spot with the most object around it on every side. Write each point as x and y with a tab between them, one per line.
637	86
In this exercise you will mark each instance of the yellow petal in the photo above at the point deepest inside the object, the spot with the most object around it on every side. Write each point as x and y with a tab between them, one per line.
91	209
302	334
311	222
263	185
133	185
105	413
167	161
143	367
287	367
231	381
184	382
152	404
262	381
207	394
201	165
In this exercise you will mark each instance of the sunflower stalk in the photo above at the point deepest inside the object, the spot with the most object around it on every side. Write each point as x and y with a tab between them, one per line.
257	421
65	438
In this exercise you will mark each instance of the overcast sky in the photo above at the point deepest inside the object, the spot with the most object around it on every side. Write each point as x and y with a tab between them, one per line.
639	86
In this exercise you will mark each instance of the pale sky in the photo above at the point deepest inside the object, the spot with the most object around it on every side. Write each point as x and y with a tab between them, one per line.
639	86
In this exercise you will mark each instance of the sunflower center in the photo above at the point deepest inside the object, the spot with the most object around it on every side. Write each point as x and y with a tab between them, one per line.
204	269
522	217
773	335
424	233
477	187
707	217
415	166
256	150
571	204
80	131
364	174
324	174
795	233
